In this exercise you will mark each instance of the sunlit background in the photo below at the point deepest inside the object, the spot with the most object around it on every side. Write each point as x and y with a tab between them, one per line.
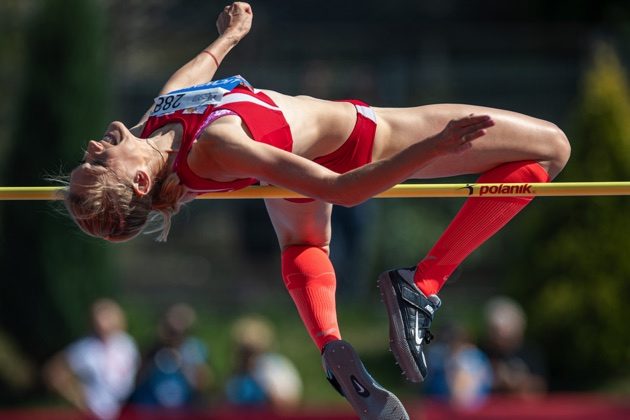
68	67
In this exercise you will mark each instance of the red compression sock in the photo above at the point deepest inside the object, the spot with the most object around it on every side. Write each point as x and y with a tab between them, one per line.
310	278
476	221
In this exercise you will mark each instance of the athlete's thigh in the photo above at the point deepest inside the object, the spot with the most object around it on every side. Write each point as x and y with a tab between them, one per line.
514	137
300	223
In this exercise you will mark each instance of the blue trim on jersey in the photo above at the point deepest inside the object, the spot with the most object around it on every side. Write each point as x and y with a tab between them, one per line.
228	84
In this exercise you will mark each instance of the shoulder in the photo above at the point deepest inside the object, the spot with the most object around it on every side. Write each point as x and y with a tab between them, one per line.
216	147
84	344
226	127
223	135
83	352
123	340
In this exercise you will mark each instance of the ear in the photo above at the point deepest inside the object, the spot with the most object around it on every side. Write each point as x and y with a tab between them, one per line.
142	183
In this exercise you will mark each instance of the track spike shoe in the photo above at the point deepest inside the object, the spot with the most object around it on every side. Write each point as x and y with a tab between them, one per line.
345	371
410	315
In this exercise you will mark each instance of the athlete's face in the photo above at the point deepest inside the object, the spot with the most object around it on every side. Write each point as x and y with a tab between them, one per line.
118	151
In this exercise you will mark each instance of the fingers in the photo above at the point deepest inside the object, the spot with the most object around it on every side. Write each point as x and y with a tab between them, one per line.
245	7
471	120
481	125
235	19
238	6
474	131
469	128
460	133
465	142
474	135
469	124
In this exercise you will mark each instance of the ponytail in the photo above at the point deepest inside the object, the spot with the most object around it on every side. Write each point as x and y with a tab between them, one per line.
107	206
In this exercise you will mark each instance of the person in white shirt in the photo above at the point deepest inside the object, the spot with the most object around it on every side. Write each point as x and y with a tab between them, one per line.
96	373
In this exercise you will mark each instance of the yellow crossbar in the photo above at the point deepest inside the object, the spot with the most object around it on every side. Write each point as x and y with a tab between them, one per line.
554	189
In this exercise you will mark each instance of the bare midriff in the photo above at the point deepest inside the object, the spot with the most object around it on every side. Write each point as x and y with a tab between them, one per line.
318	127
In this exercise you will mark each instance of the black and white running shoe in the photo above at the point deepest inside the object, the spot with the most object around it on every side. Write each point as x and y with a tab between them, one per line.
345	371
410	314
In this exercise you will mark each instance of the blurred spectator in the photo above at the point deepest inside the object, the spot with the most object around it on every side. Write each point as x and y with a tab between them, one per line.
96	372
175	373
261	378
459	372
518	367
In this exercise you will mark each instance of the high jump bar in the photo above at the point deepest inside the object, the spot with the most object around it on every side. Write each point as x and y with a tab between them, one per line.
553	189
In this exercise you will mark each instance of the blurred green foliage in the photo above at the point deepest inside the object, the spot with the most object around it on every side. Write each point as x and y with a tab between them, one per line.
50	273
578	294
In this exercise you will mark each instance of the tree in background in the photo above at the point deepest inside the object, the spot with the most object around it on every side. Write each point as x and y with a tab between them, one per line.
577	295
51	273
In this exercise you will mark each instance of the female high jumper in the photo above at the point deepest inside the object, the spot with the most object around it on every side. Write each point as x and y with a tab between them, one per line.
202	135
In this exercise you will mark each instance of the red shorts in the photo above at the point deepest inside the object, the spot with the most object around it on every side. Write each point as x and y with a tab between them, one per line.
356	151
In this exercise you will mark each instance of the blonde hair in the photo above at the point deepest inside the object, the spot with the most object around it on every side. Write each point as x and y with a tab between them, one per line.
107	206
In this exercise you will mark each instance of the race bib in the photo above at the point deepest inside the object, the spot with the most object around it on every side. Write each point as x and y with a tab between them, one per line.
195	96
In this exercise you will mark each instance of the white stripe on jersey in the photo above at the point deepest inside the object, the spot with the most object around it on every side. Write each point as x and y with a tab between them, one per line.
231	98
367	112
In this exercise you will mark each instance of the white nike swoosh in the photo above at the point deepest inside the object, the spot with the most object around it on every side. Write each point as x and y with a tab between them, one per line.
359	388
418	339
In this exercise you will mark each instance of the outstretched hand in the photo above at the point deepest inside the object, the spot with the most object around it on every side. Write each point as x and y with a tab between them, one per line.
235	20
458	134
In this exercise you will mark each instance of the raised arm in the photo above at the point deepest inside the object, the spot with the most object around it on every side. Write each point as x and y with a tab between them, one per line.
230	155
233	23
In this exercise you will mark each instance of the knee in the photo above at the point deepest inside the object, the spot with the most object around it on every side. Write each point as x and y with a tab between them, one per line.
304	265
560	150
298	248
314	239
562	146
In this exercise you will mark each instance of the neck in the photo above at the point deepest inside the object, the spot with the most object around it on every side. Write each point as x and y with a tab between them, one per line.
166	142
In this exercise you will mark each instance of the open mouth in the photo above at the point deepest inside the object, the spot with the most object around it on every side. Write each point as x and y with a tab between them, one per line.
111	138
